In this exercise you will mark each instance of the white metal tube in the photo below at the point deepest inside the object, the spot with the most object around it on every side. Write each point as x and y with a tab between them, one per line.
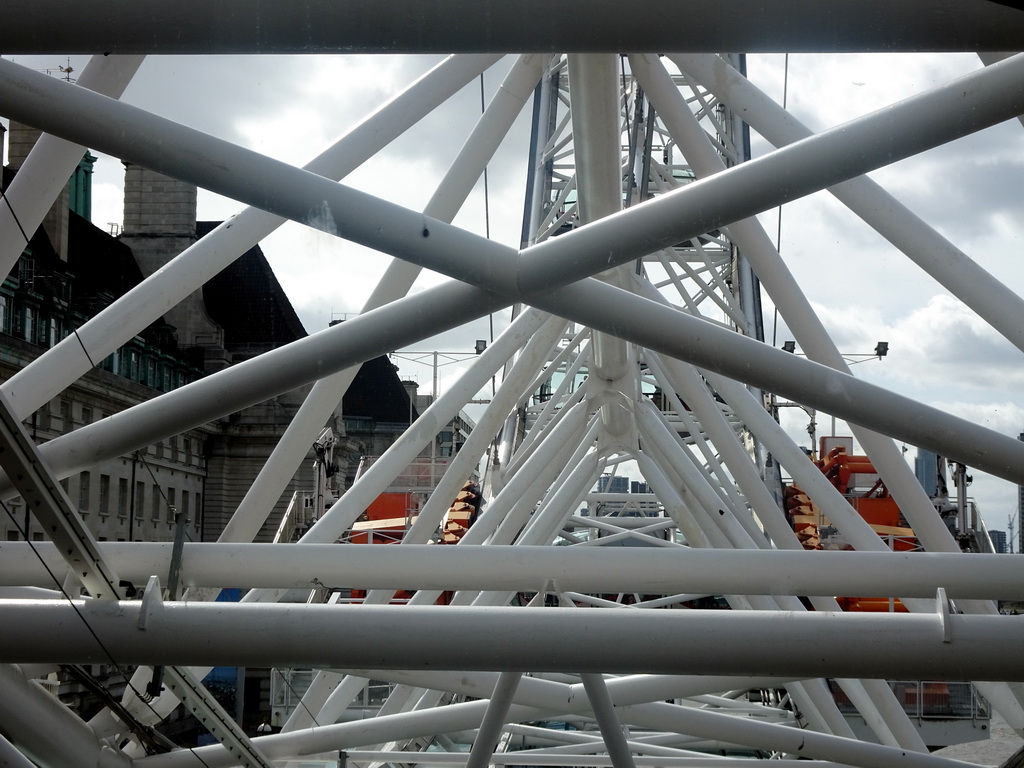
996	79
528	757
679	642
354	502
51	161
11	756
948	265
482	752
45	377
562	500
529	484
327	697
991	96
820	161
44	729
396	282
374	730
253	381
674	333
607	720
596	145
723	532
699	435
679	377
509	393
796	309
526	524
441	26
793	741
646	713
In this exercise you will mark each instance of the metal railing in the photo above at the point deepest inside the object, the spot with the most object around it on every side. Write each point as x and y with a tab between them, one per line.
928	700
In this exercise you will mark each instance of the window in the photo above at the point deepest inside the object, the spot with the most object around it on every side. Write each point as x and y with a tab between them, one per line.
104	494
122	497
171	504
13	536
140	499
28	325
157	501
83	491
184	504
5	321
65	415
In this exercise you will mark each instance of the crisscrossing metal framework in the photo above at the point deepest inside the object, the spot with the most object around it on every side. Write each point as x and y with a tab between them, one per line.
636	352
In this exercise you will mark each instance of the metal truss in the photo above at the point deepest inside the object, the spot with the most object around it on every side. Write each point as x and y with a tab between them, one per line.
636	349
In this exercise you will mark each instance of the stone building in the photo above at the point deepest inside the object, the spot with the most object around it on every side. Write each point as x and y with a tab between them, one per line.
71	270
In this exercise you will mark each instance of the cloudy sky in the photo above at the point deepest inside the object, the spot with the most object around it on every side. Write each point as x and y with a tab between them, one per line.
865	291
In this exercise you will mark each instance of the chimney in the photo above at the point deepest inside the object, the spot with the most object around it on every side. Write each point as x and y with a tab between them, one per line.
160	223
20	142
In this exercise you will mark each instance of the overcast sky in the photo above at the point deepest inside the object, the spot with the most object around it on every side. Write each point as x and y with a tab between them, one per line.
865	291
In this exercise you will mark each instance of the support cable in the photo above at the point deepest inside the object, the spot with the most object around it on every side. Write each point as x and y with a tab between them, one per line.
134	725
778	229
3	194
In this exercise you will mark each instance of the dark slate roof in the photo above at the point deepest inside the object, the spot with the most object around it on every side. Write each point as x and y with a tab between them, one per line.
377	393
101	263
248	302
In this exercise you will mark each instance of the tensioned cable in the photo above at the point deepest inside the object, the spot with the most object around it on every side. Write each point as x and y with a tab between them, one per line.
487	221
302	702
159	487
71	602
81	343
778	231
3	194
136	727
74	330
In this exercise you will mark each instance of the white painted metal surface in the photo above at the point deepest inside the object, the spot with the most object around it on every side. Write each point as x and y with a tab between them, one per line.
663	312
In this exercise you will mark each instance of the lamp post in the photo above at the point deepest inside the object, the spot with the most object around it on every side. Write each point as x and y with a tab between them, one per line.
851	358
437	360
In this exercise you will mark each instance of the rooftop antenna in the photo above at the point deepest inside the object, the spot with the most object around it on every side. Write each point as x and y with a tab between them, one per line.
64	70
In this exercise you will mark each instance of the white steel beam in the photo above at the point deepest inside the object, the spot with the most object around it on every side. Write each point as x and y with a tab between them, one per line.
527	757
47	376
482	752
632	695
209	712
963	277
607	720
52	508
654	220
579	569
982	98
443	26
796	309
51	161
45	730
399	277
678	642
